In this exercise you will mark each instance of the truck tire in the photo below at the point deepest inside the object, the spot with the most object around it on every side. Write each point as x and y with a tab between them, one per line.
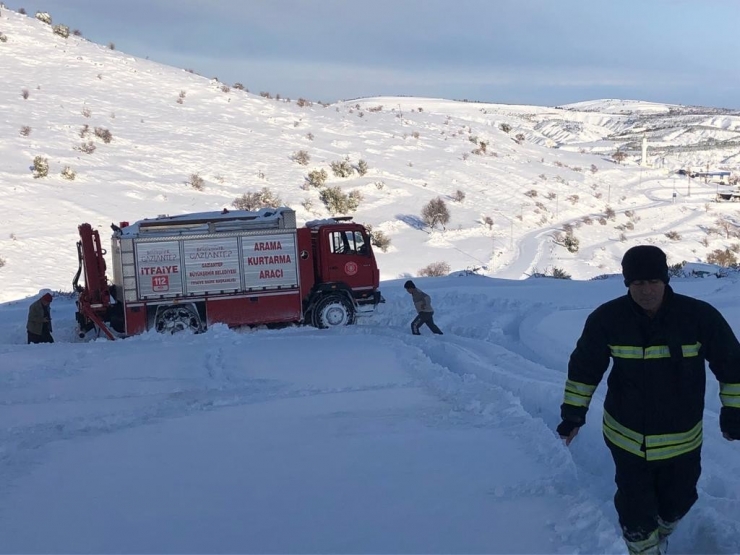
333	311
174	318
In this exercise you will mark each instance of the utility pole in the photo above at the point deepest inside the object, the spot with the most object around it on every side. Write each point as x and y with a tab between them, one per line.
688	185
609	194
511	242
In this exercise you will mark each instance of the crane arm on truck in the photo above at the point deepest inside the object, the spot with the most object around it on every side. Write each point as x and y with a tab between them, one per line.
93	299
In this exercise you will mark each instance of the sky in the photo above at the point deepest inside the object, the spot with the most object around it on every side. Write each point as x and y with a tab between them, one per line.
362	439
509	51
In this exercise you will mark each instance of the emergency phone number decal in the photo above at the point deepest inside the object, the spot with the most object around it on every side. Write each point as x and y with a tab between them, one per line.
159	268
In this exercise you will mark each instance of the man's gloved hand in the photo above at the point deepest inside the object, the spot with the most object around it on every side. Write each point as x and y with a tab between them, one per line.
729	422
568	430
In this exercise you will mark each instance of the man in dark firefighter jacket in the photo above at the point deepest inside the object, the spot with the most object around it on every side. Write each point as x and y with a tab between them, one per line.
658	341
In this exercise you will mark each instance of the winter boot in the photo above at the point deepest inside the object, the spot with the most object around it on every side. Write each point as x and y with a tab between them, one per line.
665	529
638	544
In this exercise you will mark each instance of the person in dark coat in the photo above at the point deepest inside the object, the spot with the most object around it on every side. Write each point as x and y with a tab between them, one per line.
424	310
39	320
658	341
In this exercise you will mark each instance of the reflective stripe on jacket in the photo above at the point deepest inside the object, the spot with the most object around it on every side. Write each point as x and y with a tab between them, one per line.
655	398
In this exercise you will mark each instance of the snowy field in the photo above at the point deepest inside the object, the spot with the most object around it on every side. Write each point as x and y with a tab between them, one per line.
356	440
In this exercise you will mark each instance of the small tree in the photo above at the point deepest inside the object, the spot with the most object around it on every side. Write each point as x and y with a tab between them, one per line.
68	173
61	30
302	157
594	169
619	156
505	127
103	134
342	169
519	138
380	240
559	273
196	182
25	130
435	212
317	178
488	221
254	201
362	167
40	167
459	196
435	269
338	202
725	258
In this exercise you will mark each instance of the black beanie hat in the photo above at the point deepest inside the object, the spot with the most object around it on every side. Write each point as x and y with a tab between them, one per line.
644	262
409	285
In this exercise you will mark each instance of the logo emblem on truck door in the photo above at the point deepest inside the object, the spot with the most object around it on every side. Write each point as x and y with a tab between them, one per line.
350	268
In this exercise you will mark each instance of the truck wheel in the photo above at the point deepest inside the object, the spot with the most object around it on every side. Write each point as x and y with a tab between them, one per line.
333	311
171	319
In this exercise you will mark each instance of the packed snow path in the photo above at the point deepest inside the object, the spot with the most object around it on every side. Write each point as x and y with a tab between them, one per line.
362	439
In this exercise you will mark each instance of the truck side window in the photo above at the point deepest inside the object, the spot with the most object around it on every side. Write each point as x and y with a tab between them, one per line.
342	242
362	247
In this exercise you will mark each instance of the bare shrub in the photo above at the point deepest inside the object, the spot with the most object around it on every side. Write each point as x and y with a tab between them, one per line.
111	46
609	213
380	240
593	168
551	196
532	193
435	269
265	94
103	134
435	212
301	157
68	173
225	88
622	237
316	178
602	220
587	220
362	167
380	185
673	235
301	102
254	201
459	196
543	177
727	227
342	169
338	202
505	127
519	138
25	94
3	38
238	86
567	240
61	30
86	147
2	262
84	131
196	182
309	136
87	112
25	130
559	273
44	17
40	167
574	199
77	33
488	221
22	11
725	258
619	156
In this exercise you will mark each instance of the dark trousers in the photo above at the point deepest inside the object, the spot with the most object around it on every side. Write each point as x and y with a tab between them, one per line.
45	337
424	318
648	490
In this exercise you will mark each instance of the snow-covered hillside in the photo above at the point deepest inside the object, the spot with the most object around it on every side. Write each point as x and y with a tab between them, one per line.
167	125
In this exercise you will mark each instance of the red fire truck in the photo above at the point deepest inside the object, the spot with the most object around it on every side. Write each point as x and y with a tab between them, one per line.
186	272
